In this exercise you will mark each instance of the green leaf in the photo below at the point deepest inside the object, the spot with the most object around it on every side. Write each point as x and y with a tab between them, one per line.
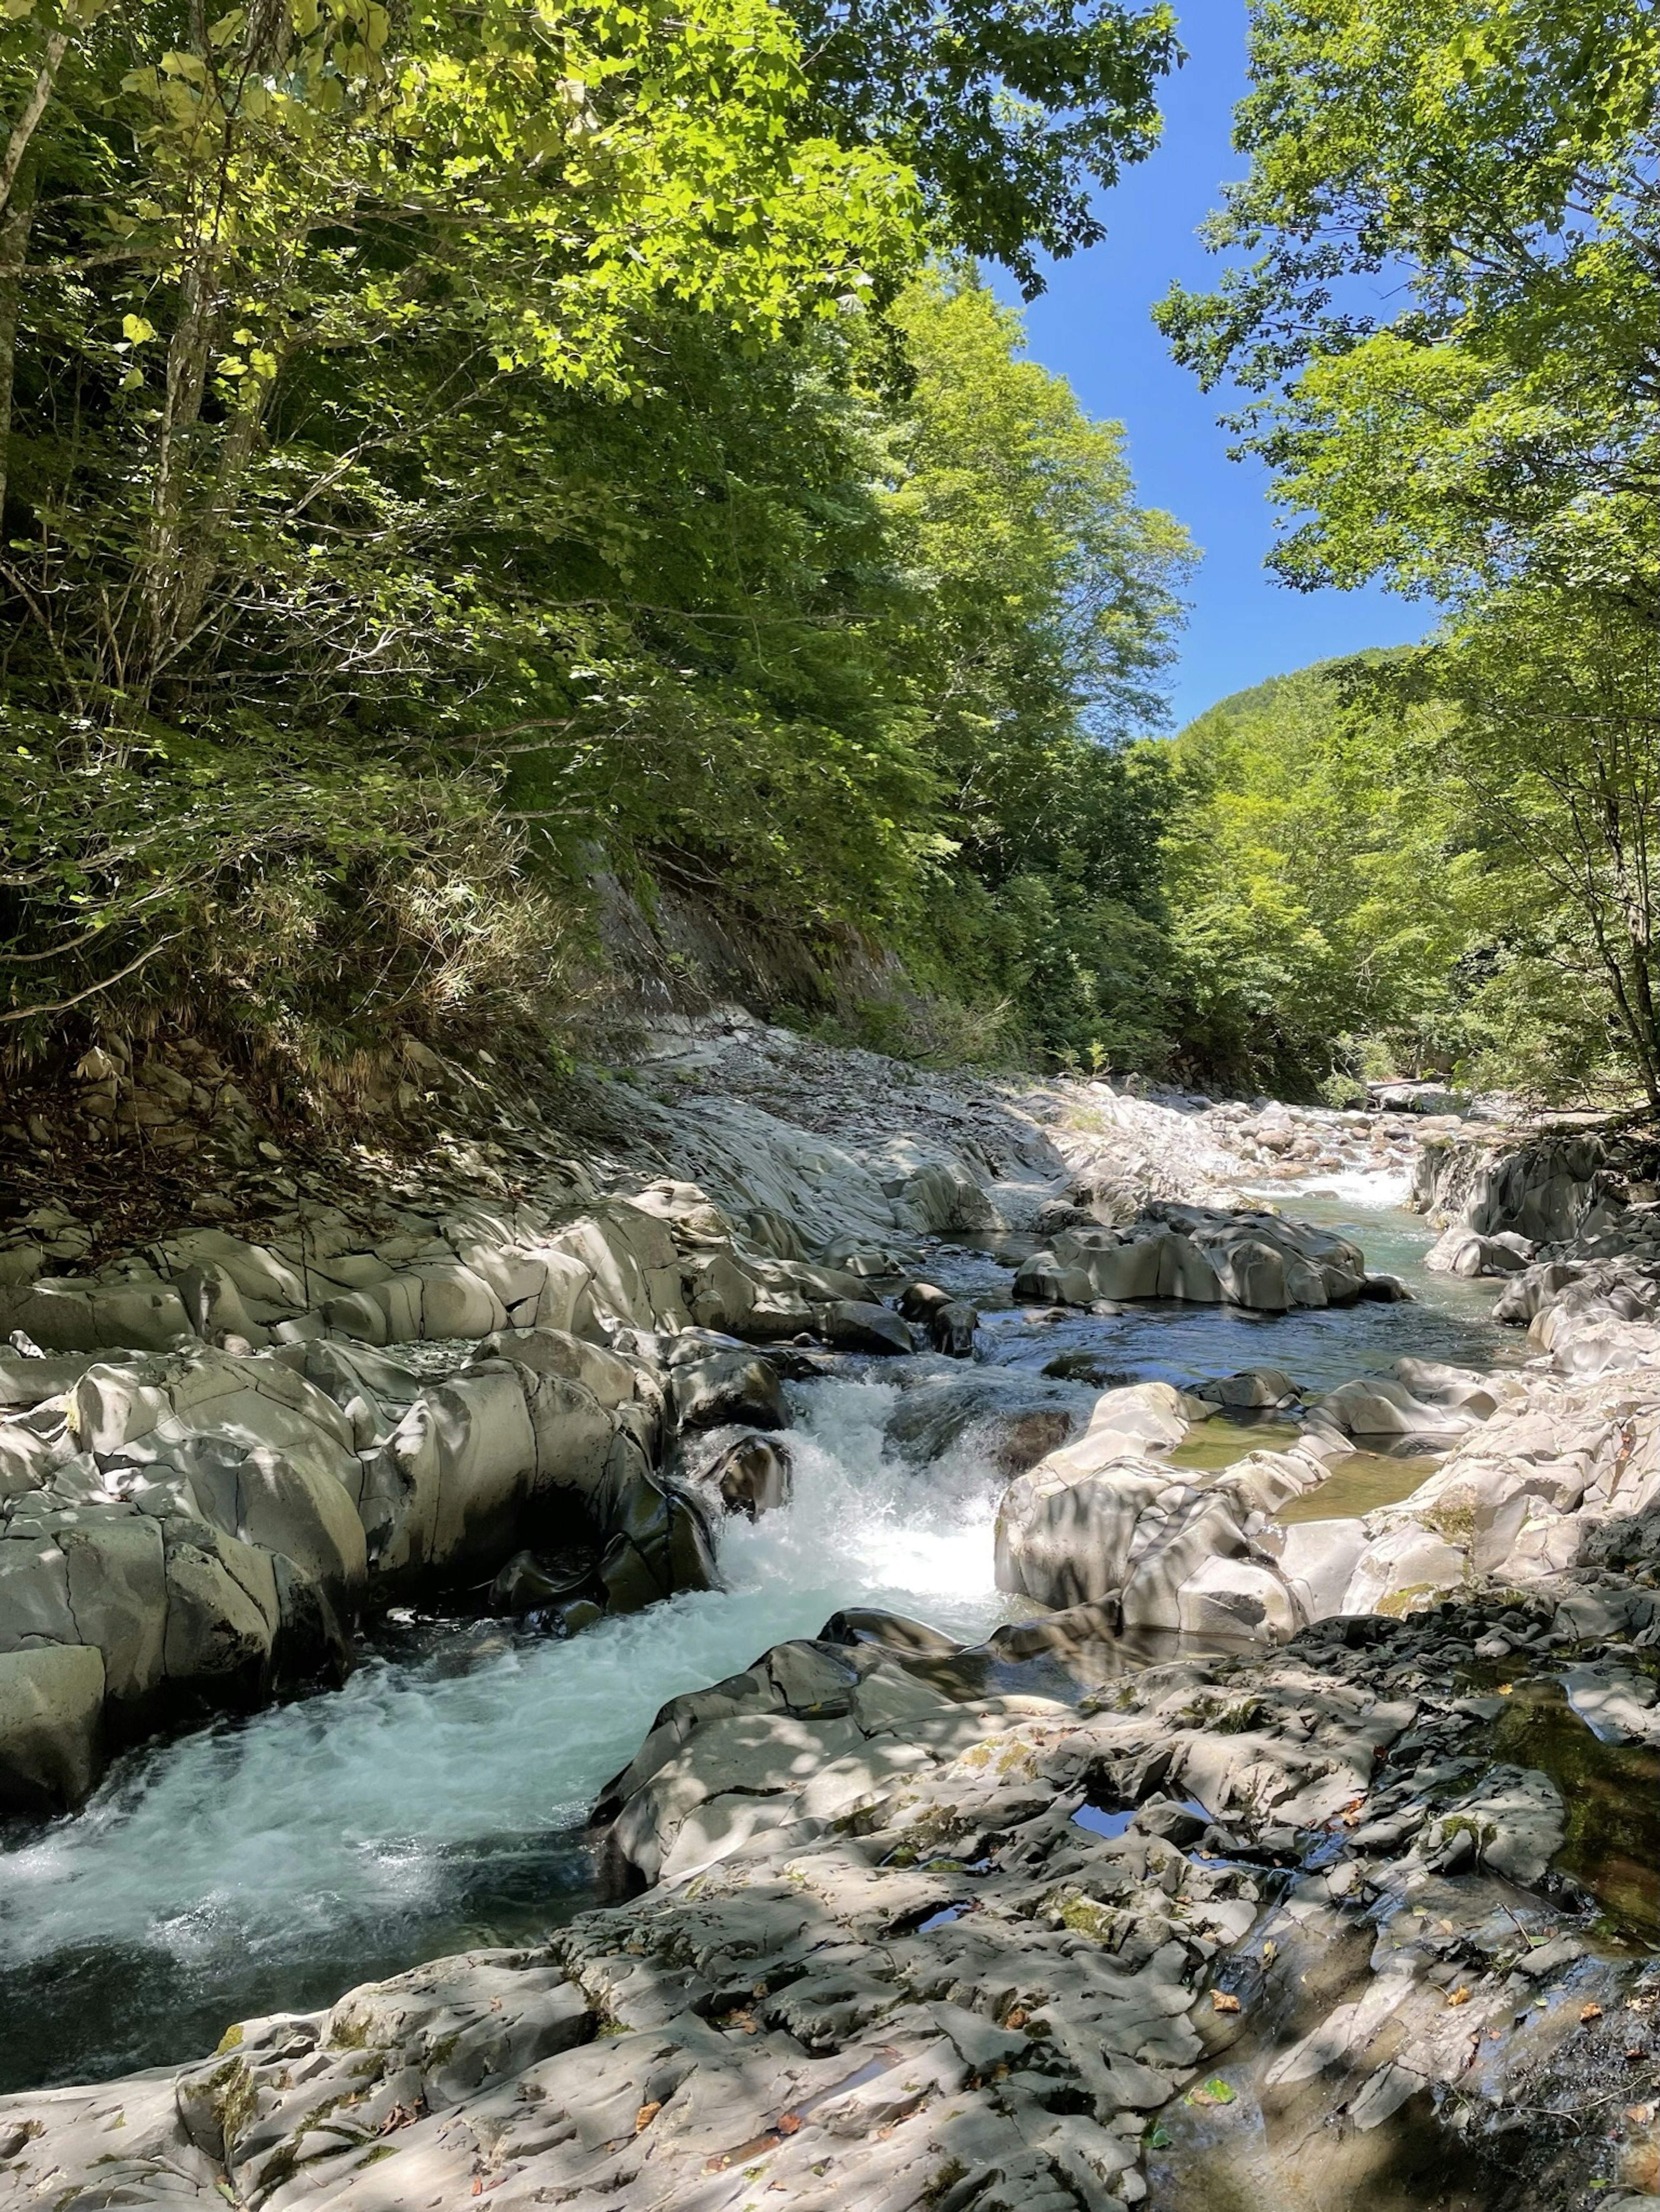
1215	2091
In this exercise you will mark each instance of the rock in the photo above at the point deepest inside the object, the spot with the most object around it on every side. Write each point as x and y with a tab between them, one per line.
1199	1254
994	1416
1236	1599
1462	1251
1064	1529
1316	1560
1379	1406
66	1316
525	1585
1251	1388
1417	1098
659	1544
856	1325
1541	1188
898	1935
951	1322
1407	1569
751	1476
728	1387
1515	1822
52	1702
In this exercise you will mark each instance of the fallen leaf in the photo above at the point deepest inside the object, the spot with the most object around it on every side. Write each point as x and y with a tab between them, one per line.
1158	2136
1016	2019
790	2125
1269	1951
1460	1996
1221	2001
646	2115
1505	1689
477	2188
1640	2115
1590	2012
1216	2091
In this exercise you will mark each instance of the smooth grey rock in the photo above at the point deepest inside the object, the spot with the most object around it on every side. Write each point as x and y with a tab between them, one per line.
52	1701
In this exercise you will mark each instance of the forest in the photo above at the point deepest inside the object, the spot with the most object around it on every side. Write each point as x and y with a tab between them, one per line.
451	452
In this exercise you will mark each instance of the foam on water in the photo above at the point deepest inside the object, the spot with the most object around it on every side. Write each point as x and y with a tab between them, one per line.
1375	1189
370	1807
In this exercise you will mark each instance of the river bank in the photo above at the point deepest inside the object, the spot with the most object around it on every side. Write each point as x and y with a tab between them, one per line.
438	1799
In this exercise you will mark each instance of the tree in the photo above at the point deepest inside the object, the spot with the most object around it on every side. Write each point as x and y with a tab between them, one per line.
1546	718
1322	891
1047	604
1490	171
1010	116
1491	439
279	270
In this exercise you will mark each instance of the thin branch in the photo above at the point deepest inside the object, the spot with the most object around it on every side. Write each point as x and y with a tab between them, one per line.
63	1006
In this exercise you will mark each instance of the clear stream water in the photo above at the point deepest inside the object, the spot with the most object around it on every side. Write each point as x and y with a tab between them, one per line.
437	1800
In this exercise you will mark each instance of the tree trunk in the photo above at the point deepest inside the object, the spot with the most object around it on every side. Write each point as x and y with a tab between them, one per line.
13	248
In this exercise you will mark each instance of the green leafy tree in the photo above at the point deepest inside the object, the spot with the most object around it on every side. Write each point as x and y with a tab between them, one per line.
1488	171
1539	712
1047	610
1011	118
276	274
1321	896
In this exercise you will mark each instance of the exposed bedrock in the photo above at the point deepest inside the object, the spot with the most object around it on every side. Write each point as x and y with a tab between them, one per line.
207	1467
1204	1253
1289	1931
1544	1188
1536	1472
1572	1223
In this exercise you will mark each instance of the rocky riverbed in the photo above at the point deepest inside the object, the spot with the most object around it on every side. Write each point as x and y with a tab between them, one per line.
1203	1744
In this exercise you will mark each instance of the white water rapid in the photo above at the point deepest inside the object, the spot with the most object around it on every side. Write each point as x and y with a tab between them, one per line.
402	1813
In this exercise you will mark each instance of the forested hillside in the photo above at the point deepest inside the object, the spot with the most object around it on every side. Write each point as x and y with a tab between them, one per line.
449	453
448	447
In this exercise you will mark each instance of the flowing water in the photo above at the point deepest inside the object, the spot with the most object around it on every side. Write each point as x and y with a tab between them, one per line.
436	1799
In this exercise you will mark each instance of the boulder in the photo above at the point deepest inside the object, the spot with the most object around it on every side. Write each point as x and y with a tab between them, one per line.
1407	1569
751	1476
1199	1254
860	1325
525	1585
997	1416
1065	1528
1236	1599
1251	1388
951	1322
52	1701
1379	1406
1316	1560
726	1387
660	1543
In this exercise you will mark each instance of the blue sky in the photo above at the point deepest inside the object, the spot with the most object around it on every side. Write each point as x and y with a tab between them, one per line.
1092	327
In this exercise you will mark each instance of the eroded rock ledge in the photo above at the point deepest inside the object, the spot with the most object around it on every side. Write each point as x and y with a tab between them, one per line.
208	1464
1280	1929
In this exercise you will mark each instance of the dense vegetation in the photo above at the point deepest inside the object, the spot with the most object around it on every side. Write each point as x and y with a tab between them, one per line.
447	452
1487	172
446	446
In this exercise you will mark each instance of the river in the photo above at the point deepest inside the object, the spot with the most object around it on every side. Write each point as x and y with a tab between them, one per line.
435	1802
